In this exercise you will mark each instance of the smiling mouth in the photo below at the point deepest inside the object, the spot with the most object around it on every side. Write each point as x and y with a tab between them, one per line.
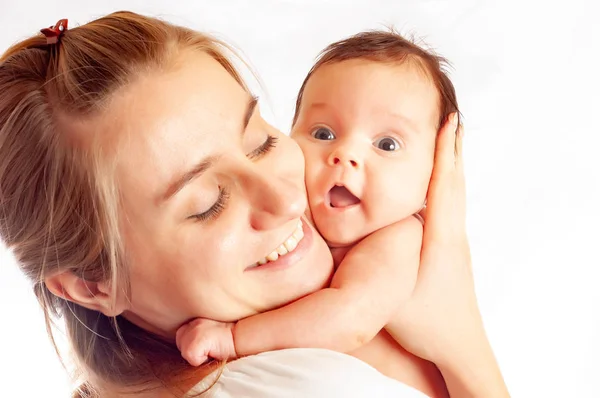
288	246
340	197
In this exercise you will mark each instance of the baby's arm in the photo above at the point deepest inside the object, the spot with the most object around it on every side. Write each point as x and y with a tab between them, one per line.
368	287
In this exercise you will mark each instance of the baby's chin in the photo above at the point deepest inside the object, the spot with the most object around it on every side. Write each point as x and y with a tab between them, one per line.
336	236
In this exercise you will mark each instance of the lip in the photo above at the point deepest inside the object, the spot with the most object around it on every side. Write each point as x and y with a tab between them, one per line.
327	202
291	258
341	209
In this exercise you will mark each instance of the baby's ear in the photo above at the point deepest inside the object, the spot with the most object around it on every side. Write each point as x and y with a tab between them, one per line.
93	295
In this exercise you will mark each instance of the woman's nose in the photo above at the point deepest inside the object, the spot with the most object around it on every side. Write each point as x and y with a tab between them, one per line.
274	200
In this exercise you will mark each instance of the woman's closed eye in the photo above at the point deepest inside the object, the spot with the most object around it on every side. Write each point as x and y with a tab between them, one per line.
215	209
264	148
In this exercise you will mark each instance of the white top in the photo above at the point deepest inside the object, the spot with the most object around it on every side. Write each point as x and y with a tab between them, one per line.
303	372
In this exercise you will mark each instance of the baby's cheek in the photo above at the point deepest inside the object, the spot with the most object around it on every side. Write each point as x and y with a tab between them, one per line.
423	180
394	198
304	146
310	161
311	180
292	155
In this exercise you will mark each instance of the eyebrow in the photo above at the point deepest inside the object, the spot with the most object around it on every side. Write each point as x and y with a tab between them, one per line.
319	105
405	120
197	170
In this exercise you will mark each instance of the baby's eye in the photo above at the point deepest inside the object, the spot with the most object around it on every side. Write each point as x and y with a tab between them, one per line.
323	133
388	144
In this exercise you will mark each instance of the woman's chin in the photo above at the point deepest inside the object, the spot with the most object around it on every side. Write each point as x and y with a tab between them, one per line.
165	331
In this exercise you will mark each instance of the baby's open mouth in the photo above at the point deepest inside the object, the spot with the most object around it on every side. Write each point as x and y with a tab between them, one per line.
340	197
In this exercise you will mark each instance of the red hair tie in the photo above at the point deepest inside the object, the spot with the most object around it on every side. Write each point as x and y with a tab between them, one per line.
54	33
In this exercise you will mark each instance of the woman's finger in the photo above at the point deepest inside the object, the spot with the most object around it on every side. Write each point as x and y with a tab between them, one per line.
459	167
460	133
446	202
445	147
443	167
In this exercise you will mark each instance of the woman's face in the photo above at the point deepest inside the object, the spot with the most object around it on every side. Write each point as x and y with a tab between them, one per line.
209	190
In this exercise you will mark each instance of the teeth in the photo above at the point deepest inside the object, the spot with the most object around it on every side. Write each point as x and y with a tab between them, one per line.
288	246
298	234
291	243
281	250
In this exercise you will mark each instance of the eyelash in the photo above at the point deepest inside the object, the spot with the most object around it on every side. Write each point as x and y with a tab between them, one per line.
219	205
270	143
215	209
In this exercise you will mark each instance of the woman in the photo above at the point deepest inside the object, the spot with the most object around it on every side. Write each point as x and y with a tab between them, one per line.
139	185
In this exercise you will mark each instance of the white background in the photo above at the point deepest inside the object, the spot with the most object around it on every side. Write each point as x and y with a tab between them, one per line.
528	83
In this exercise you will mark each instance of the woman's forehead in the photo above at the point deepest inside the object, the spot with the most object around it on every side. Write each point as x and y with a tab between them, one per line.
170	119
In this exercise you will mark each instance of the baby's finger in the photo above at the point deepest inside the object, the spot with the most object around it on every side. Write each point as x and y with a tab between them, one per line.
180	335
194	359
195	351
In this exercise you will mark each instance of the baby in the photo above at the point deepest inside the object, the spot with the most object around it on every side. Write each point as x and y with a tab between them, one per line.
367	118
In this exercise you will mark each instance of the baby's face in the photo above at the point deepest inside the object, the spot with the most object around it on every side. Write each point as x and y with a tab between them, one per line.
368	133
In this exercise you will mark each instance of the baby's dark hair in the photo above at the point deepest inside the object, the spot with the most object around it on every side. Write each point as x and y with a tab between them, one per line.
389	47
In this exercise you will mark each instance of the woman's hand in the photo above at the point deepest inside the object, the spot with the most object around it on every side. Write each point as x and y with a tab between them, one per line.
441	322
443	309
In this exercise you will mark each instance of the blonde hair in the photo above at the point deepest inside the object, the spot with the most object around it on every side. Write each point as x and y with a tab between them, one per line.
58	200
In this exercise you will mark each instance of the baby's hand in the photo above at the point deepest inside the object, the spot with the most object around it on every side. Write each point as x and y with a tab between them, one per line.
202	339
